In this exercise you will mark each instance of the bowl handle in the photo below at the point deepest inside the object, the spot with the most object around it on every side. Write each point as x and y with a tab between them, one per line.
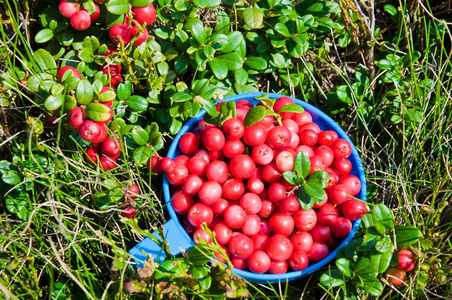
176	242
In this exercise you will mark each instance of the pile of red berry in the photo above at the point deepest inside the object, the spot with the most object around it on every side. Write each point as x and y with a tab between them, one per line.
231	178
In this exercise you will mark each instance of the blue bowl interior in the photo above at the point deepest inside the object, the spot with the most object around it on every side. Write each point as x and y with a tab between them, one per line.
325	123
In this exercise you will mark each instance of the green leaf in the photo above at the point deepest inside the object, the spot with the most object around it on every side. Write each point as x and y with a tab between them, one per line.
345	266
241	76
253	17
407	235
295	108
45	61
175	126
155	138
139	135
140	3
86	55
290	177
232	60
107	96
384	245
11	177
254	115
314	190
223	22
305	201
124	90
380	261
117	7
235	38
44	35
84	92
210	108
321	177
332	278
137	103
372	285
383	218
199	255
390	9
282	29
54	102
367	220
199	33
98	112
302	164
363	268
219	68
256	63
142	154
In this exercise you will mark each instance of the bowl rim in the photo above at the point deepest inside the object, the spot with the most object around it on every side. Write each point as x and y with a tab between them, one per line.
292	275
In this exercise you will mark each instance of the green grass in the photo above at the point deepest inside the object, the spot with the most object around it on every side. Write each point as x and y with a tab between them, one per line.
67	246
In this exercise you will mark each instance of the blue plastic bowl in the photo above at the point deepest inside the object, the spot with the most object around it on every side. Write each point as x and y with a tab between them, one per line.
179	240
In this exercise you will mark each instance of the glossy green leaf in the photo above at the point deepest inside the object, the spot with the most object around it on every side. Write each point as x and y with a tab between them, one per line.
219	68
241	76
86	55
390	9
289	177
254	115
320	177
345	266
124	90
282	29
223	22
11	177
235	38
54	102
302	164
45	61
372	285
383	218
253	17
107	96
140	3
363	268
98	112
155	138
44	35
332	278
69	102
380	261
199	255
407	235
117	7
210	108
84	92
256	63
175	126
232	60
199	32
304	199
139	135
384	245
137	103
295	108
142	154
314	189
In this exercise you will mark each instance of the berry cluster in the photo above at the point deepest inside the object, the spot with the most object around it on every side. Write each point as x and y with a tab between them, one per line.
406	263
231	178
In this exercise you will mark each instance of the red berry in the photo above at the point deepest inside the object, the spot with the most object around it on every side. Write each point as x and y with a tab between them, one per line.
145	14
81	20
118	33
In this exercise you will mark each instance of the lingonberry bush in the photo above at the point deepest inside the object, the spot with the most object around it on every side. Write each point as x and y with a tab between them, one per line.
92	93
